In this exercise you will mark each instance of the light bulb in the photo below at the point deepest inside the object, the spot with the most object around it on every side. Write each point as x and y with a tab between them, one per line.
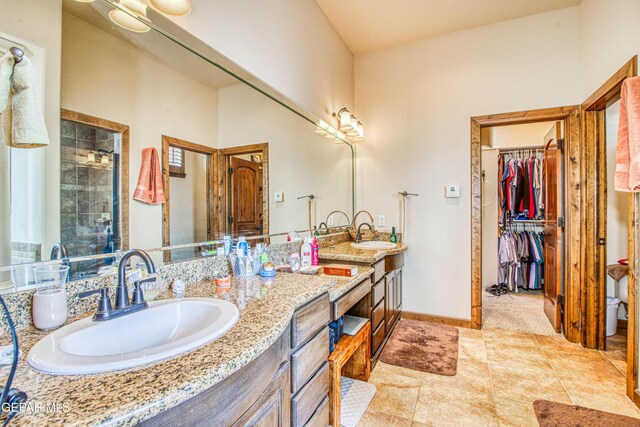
360	136
344	118
126	18
172	7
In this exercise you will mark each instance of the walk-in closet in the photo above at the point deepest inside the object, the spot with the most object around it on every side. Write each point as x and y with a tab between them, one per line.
515	182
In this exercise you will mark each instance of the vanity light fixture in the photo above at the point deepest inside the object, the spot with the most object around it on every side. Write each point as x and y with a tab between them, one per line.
127	15
344	120
354	127
172	7
349	124
360	136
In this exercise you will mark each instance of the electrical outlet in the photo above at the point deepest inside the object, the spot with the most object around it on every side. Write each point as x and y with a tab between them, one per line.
382	221
330	221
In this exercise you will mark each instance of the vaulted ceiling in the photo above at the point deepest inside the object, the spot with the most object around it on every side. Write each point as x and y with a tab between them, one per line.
367	25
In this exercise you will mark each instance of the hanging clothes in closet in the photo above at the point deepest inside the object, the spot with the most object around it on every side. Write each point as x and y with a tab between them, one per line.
521	259
520	186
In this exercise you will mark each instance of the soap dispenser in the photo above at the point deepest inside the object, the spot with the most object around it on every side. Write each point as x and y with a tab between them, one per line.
305	253
394	237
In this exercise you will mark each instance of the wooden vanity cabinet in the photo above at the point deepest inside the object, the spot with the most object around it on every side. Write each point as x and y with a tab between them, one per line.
383	305
309	366
286	385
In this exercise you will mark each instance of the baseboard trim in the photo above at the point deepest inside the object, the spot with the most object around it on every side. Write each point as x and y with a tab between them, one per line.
443	320
622	324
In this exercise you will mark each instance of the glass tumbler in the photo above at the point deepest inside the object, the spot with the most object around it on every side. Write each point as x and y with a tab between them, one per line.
50	300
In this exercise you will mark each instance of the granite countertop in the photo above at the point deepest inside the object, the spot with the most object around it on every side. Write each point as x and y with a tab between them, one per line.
125	398
345	252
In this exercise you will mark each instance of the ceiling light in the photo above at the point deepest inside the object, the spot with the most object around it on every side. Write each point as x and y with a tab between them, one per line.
172	7
127	15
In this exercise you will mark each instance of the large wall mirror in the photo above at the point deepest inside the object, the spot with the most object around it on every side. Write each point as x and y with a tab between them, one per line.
234	157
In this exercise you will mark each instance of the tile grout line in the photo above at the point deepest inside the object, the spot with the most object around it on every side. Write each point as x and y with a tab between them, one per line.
493	391
602	353
555	371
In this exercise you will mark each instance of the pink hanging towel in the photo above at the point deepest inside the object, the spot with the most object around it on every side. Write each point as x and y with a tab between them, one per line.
150	189
627	176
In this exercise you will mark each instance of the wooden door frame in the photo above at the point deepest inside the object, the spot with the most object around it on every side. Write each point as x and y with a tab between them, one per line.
595	296
225	182
573	257
212	188
123	129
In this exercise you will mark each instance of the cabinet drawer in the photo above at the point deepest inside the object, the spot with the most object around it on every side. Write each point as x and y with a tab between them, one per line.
378	337
306	361
321	416
304	404
377	315
378	270
309	319
349	299
377	292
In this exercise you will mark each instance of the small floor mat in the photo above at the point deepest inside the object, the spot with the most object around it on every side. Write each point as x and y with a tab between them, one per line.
423	347
553	414
355	397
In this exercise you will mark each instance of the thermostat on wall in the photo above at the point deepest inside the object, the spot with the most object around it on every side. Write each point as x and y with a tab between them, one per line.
452	191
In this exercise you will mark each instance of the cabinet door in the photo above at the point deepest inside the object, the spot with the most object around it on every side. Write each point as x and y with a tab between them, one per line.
390	309
398	290
272	409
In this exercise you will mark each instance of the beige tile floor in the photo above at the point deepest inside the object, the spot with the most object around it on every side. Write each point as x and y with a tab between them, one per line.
500	375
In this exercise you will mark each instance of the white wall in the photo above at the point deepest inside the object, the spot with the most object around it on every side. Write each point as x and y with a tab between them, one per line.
617	211
40	29
105	77
610	36
289	44
300	162
189	201
417	100
528	135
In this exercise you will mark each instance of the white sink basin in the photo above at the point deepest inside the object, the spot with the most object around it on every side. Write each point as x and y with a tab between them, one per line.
374	244
166	329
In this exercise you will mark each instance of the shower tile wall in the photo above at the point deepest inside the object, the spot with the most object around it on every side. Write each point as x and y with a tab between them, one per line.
86	199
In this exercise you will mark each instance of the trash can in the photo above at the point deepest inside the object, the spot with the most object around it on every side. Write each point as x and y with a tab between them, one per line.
612	315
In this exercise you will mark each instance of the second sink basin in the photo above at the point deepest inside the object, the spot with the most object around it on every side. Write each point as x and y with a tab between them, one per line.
374	244
164	330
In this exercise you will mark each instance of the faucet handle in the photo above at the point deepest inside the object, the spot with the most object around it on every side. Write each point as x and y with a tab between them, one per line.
138	295
104	304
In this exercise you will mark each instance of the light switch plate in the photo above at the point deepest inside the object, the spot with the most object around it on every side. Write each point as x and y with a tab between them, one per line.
278	196
382	221
452	191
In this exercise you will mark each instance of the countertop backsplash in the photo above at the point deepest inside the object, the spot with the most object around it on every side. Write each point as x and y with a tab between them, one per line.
192	271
